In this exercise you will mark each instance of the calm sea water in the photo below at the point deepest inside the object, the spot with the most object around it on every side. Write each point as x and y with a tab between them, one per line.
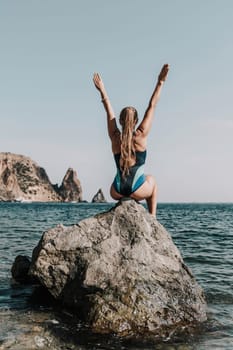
202	232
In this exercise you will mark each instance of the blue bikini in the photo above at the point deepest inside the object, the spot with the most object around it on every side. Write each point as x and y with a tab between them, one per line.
134	179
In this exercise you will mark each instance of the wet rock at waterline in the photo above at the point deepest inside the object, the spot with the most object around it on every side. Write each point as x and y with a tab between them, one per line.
121	271
20	269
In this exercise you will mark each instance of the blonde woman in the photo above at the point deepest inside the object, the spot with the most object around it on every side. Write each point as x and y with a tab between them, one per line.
129	146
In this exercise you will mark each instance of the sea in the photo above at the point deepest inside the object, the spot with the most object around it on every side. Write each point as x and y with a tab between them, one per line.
202	232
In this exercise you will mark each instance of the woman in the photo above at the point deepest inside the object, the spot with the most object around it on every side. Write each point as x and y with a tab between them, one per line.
129	146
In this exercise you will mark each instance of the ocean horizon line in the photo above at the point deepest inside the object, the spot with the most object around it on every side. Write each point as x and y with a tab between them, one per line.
110	202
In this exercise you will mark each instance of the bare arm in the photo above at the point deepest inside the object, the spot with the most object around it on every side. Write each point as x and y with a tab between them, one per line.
111	120
146	123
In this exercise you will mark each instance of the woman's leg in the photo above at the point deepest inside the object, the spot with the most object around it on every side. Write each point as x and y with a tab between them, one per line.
152	200
147	191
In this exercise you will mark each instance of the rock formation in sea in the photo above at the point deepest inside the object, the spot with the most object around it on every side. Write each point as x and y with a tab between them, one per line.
20	269
99	197
22	179
122	273
70	189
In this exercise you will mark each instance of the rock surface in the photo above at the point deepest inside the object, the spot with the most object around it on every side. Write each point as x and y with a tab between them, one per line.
29	331
121	271
20	268
99	197
22	179
70	189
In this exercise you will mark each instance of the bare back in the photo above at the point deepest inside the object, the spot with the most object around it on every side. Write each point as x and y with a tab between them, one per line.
140	141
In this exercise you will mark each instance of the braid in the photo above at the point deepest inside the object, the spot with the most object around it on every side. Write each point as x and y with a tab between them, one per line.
128	120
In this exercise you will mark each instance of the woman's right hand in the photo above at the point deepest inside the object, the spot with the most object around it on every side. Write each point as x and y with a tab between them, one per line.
98	82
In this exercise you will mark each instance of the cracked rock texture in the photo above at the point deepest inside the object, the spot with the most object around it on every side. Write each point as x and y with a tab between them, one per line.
122	273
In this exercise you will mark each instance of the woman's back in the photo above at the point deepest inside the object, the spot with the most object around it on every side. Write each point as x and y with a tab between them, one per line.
139	142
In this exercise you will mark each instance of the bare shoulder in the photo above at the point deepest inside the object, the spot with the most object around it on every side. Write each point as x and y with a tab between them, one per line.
140	141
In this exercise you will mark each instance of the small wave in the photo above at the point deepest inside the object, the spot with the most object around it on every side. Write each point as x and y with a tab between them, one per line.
219	297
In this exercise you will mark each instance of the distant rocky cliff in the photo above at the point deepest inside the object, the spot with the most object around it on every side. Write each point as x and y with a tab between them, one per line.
22	179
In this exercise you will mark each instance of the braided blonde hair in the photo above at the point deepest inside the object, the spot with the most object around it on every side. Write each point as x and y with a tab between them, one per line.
128	120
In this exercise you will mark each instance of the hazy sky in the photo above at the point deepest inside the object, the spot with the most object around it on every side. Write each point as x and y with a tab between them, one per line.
51	112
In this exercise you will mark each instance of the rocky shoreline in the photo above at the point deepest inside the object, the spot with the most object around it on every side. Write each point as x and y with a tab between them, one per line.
23	180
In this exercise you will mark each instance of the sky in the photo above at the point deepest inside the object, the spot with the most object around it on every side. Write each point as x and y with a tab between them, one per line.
51	111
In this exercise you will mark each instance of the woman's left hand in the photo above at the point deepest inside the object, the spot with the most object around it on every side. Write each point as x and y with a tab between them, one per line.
98	82
164	72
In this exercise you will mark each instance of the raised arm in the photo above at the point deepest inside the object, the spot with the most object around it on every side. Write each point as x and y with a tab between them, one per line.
146	123
111	120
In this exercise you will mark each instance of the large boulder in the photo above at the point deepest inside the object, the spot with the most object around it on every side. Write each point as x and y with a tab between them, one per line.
121	271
